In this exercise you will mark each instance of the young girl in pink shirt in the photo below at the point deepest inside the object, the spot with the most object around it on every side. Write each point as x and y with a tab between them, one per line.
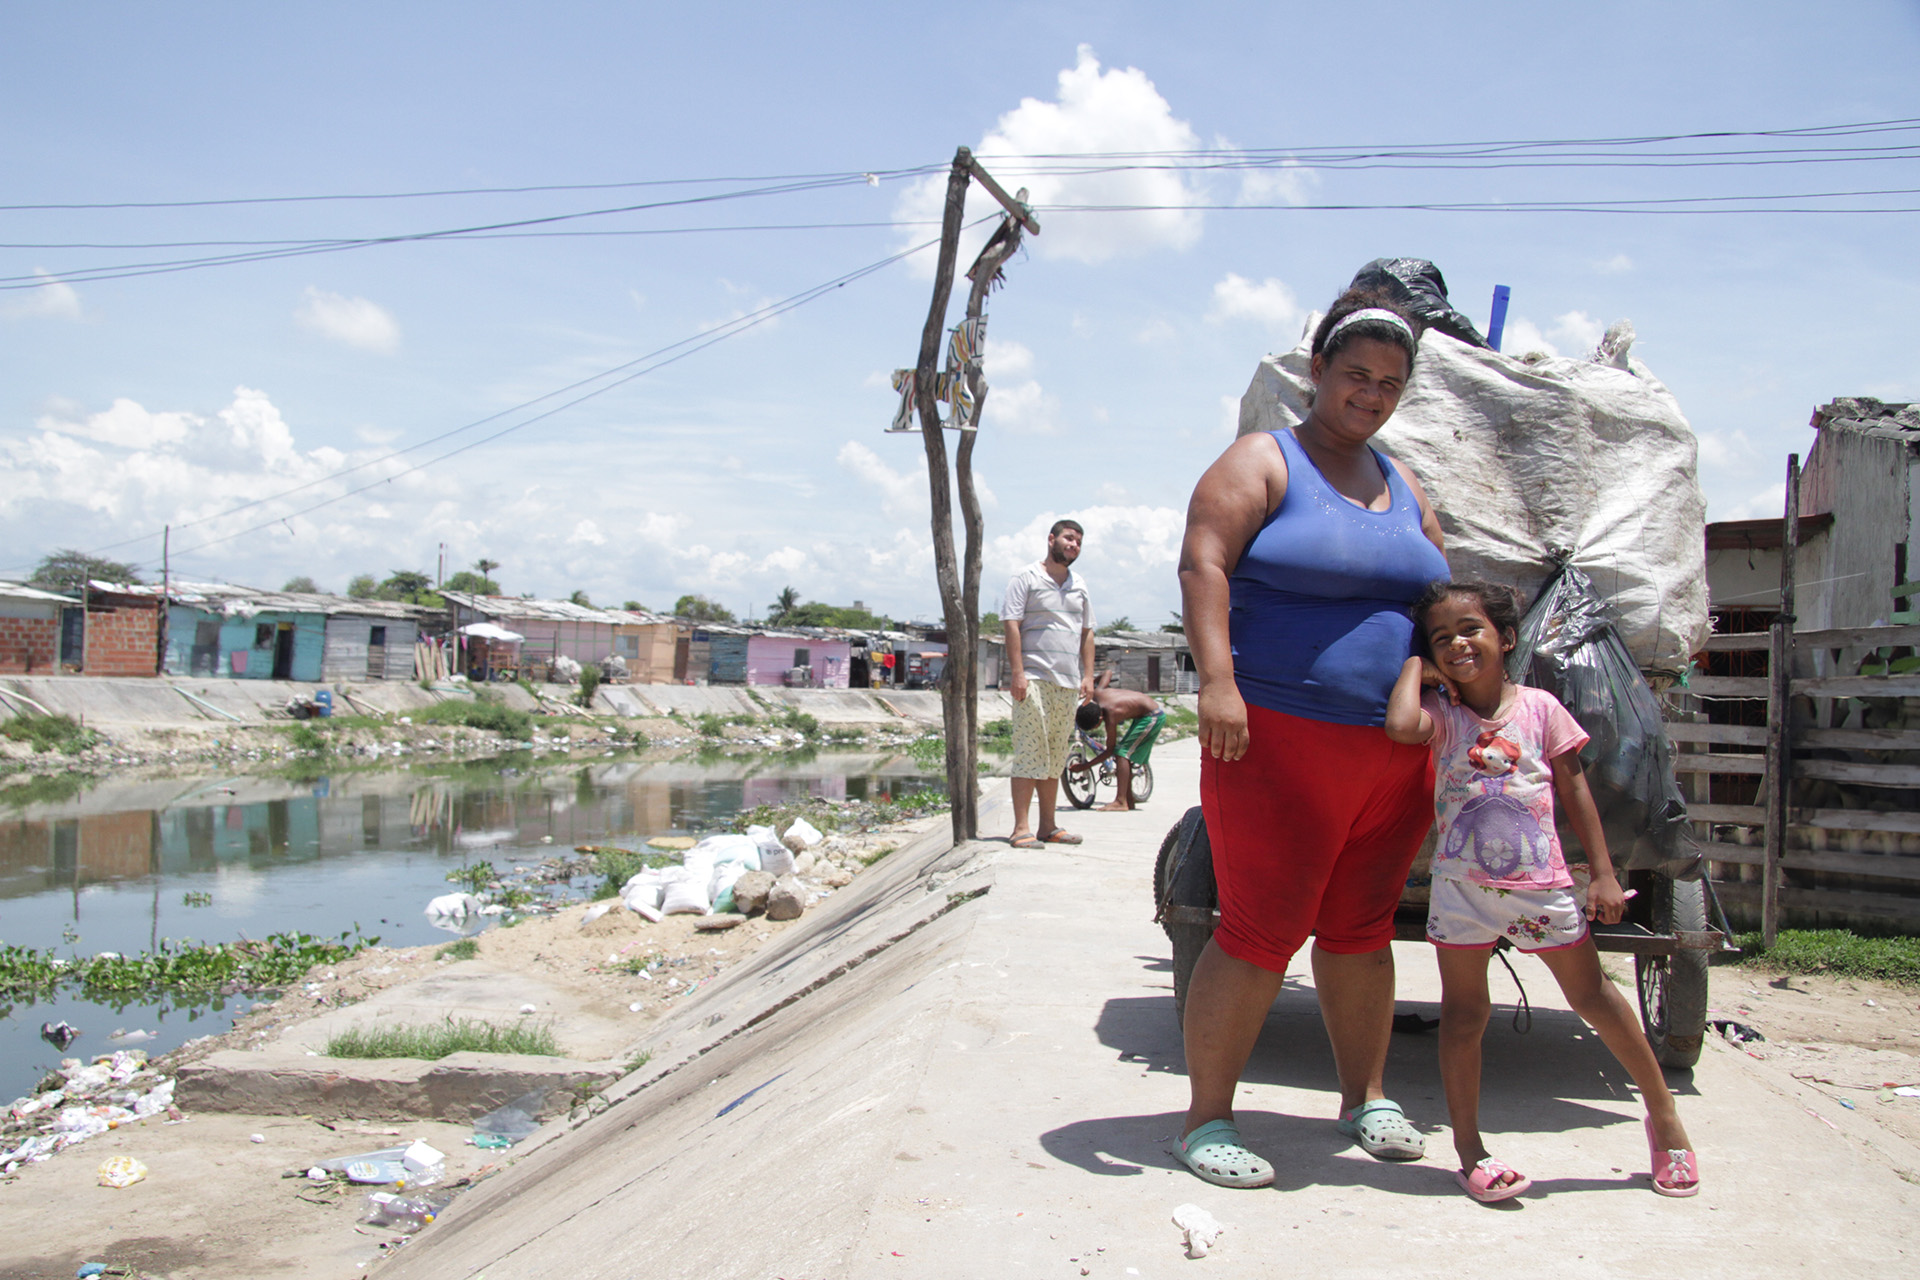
1502	753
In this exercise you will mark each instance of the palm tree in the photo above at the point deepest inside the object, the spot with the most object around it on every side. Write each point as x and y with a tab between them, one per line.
783	604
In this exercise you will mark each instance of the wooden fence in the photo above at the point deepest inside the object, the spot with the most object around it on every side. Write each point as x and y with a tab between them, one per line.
1813	810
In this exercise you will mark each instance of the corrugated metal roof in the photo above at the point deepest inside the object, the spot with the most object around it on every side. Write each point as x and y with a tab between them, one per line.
233	599
551	610
20	591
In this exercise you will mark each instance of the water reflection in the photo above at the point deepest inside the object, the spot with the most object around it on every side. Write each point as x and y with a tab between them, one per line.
127	864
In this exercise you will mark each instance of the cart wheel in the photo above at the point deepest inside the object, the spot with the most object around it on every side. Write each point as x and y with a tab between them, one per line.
1183	876
1078	781
1142	789
1673	989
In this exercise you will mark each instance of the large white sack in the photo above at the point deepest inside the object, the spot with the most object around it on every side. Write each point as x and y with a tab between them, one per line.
1526	461
684	892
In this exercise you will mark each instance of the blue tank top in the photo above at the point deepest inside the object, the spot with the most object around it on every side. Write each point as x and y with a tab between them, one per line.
1319	600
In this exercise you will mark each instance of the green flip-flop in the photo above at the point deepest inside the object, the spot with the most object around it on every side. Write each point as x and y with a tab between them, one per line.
1383	1131
1214	1153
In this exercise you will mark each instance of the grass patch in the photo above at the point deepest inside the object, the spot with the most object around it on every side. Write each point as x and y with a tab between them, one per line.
464	949
639	1060
307	738
1181	721
618	866
997	736
874	855
475	877
800	722
1838	952
436	1040
49	733
494	716
928	749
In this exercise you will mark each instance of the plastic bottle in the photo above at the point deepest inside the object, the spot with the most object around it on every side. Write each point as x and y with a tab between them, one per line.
403	1213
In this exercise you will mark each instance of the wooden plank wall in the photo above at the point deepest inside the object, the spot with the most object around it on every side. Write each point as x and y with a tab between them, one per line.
1852	847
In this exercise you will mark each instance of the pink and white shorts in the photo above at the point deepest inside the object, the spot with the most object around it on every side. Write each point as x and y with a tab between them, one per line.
1474	916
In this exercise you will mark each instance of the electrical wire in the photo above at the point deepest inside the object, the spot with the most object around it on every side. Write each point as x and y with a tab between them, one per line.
649	363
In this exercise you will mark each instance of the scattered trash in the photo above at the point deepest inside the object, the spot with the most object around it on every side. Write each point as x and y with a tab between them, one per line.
1736	1032
121	1171
455	905
528	1008
1848	1105
801	835
514	1122
376	1172
59	1034
424	1164
489	1141
90	1269
256	1137
87	1099
1906	1091
136	1036
406	1214
1200	1227
316	1174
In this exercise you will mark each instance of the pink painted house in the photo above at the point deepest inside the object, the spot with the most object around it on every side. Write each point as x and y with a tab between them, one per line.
775	658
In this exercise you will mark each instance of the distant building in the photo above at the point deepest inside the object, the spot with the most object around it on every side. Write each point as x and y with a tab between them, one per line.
647	644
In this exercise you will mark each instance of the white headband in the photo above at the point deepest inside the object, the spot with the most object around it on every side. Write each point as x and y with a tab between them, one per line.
1372	313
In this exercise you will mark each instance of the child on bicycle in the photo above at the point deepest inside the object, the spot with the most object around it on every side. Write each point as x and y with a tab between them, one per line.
1502	753
1131	745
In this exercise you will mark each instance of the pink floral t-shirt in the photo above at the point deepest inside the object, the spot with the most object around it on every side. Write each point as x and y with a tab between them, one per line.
1493	791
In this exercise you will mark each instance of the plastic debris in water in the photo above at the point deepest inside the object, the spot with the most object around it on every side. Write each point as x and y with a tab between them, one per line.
59	1034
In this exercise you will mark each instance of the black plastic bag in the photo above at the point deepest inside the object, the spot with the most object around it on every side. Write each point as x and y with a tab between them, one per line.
1417	285
1568	646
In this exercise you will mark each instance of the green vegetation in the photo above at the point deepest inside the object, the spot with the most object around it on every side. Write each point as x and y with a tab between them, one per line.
799	721
49	733
617	866
997	736
302	585
711	724
462	949
856	815
640	963
639	1060
589	684
306	738
580	598
701	609
70	570
634	606
185	966
438	1039
473	584
196	898
928	749
479	714
1837	952
876	853
474	877
1114	628
1181	722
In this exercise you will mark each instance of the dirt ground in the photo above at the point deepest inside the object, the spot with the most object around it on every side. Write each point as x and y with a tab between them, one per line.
218	1205
1852	1040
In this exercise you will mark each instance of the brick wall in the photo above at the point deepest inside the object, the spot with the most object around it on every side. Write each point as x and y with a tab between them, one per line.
122	640
28	645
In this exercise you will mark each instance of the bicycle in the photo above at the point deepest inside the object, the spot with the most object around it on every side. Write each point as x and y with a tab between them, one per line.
1085	788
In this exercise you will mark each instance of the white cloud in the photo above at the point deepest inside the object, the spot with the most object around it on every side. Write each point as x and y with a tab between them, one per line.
357	322
1578	331
1523	337
1270	302
787	560
586	533
1618	263
1724	449
1097	111
901	492
53	299
1284	182
1129	559
1769	501
1016	402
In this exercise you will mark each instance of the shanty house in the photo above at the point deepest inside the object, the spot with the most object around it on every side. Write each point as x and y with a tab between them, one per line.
803	661
220	629
588	635
30	629
1150	661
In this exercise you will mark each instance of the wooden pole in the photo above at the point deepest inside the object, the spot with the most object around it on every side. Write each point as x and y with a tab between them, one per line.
985	269
1780	711
166	597
965	807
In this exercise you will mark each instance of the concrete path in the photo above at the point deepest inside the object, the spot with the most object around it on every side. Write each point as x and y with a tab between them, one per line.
991	1085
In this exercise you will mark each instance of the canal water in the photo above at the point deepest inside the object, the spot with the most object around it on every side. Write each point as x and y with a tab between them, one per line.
214	859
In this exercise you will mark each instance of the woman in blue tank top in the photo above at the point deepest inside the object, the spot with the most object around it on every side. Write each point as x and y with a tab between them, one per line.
1304	550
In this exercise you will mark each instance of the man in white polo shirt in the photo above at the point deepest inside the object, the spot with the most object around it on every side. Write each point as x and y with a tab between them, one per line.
1049	623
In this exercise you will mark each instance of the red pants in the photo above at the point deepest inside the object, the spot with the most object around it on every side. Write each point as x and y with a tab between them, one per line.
1313	831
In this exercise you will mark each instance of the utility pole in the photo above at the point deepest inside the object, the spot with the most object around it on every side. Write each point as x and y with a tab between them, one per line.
166	595
966	391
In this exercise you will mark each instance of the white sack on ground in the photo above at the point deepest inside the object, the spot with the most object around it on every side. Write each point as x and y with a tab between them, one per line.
1526	460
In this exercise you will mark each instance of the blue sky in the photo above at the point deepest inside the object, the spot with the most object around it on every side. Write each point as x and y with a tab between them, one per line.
1116	350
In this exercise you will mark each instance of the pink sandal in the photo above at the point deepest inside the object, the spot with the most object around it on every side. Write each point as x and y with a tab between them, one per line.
1484	1184
1676	1171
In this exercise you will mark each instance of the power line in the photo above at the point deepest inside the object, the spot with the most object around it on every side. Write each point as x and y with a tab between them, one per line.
651	361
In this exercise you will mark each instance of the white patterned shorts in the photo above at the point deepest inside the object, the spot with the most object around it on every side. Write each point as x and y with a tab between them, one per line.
1043	729
1463	914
